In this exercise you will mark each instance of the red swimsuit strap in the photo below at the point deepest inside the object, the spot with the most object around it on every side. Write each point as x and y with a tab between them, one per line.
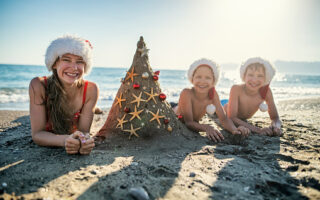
84	93
45	81
263	91
211	92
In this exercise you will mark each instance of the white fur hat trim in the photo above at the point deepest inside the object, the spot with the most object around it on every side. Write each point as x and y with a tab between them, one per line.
269	69
214	66
69	44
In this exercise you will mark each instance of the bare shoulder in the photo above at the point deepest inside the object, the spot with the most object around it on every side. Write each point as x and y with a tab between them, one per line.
236	89
93	89
186	91
269	95
36	84
186	94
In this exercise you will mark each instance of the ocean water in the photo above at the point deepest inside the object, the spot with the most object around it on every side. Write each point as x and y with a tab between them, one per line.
15	79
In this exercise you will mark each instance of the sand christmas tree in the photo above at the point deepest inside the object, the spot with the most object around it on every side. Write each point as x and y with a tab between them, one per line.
140	107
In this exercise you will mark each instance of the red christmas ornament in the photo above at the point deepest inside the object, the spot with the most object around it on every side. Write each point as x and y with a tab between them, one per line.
136	86
157	73
126	110
162	96
166	121
155	77
179	116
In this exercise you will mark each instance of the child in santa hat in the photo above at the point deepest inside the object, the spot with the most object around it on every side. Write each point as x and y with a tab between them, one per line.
62	105
245	99
202	98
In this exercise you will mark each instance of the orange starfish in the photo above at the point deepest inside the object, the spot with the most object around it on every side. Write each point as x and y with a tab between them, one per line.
121	122
132	131
156	116
137	99
135	113
119	100
151	96
131	74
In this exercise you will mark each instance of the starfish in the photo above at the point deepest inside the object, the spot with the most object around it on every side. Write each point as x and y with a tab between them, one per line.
132	131
119	99
144	51
121	122
151	96
156	116
137	99
135	113
131	74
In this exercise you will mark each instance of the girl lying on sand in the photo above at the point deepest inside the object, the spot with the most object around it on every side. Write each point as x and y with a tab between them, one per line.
62	105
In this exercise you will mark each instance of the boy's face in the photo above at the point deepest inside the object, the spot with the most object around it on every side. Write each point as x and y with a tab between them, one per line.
203	79
254	77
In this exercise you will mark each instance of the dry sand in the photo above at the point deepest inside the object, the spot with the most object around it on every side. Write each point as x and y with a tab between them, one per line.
168	166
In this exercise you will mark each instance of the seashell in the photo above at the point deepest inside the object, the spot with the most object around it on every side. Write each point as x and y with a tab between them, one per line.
210	109
145	75
263	107
169	128
139	193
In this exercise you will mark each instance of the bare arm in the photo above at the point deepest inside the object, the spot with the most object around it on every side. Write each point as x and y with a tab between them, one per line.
87	115
225	121
185	106
38	121
273	113
232	110
87	112
38	117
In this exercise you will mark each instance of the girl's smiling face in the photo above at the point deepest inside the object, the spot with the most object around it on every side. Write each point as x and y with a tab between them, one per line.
203	79
255	76
70	68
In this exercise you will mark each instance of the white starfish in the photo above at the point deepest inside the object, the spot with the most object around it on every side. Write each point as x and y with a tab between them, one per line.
144	51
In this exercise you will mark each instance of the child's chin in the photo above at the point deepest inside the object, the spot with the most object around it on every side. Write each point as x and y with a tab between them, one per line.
202	90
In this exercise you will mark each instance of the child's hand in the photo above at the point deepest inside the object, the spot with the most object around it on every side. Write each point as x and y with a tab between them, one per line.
214	135
242	130
266	131
87	147
72	143
87	144
276	128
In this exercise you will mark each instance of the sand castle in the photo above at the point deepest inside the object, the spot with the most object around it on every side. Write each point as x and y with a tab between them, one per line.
140	107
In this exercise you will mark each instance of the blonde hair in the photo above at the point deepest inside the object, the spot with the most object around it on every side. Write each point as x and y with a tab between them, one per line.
255	67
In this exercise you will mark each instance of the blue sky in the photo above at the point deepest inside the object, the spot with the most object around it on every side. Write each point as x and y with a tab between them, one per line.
176	31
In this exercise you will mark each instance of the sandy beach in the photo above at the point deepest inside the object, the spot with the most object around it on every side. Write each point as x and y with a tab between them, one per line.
168	166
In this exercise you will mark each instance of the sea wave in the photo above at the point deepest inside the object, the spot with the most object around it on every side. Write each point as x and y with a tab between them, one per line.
14	89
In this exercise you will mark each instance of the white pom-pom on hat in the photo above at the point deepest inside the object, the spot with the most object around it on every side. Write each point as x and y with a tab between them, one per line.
204	61
210	109
263	107
69	44
269	69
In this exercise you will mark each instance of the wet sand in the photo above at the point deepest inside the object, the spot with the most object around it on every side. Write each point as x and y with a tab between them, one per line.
169	166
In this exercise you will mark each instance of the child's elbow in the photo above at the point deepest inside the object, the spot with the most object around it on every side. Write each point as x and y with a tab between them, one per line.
36	138
233	118
189	125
